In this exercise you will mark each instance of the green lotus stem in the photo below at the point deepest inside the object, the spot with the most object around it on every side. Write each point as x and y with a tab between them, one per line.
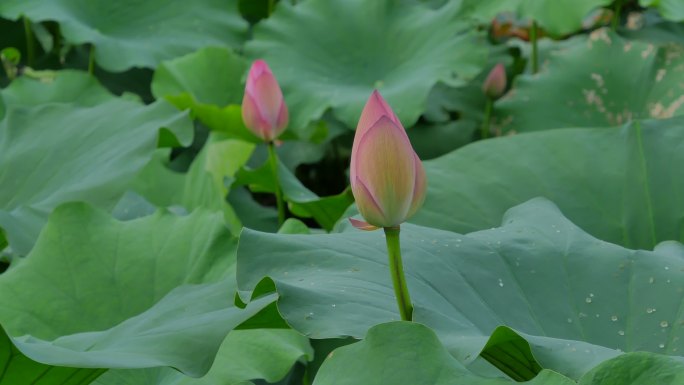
273	159
616	15
397	270
30	45
487	116
533	40
91	60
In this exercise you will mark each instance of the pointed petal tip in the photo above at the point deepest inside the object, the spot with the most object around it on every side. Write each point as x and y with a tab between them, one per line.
258	68
361	225
375	108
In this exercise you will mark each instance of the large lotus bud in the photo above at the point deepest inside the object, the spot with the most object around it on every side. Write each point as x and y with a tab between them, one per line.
495	84
263	108
387	178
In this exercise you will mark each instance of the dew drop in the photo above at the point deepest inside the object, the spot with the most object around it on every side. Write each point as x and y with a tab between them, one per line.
569	320
614	318
621	332
587	300
664	324
500	282
662	346
667	268
650	310
651	280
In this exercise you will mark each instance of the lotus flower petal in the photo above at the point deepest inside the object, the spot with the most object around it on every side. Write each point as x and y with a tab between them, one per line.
367	204
361	225
419	189
253	119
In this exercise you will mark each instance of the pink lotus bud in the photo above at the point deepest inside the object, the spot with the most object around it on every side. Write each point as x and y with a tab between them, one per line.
495	84
263	108
387	178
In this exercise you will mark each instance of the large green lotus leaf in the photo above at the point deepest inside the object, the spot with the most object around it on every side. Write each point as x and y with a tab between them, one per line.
64	87
98	293
400	353
669	9
202	186
637	369
131	33
530	274
616	183
580	86
244	355
333	53
85	153
19	369
557	17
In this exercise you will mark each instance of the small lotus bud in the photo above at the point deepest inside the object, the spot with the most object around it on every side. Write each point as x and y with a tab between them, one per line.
263	109
495	84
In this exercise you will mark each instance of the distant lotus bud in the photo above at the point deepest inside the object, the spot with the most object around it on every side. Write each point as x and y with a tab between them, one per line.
263	108
495	84
387	177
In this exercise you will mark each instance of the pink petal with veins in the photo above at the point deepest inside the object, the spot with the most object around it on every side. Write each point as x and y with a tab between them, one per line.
367	204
